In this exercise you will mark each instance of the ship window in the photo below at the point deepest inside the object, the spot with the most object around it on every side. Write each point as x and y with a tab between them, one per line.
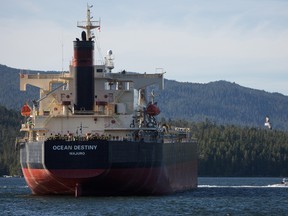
110	86
99	70
117	85
120	85
127	86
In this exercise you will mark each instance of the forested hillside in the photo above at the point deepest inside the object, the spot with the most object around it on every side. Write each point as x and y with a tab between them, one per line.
224	103
9	129
224	150
239	151
221	102
10	95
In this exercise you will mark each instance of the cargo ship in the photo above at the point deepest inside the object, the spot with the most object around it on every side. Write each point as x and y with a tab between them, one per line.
95	132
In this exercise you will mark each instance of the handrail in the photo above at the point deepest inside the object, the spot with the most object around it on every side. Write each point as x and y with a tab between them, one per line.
46	76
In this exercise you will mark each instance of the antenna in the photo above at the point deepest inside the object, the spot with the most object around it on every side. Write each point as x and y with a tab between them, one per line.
62	46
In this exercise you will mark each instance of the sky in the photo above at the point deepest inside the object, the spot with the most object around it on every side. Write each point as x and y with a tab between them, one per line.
241	41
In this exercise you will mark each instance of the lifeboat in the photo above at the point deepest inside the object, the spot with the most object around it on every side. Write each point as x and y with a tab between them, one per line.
153	110
26	110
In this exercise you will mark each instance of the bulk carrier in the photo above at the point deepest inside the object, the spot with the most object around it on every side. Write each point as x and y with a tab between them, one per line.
94	132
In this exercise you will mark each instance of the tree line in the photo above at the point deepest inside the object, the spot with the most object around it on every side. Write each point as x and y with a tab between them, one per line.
223	150
9	129
229	150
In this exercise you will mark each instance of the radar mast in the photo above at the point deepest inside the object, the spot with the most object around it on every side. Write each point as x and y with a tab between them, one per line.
88	24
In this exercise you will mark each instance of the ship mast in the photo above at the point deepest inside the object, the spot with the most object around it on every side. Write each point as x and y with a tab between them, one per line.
88	24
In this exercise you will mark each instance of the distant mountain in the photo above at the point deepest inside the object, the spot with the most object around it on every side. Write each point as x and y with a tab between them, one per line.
220	102
224	103
10	95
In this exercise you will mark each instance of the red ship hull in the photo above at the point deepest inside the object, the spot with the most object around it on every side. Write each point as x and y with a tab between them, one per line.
142	181
170	174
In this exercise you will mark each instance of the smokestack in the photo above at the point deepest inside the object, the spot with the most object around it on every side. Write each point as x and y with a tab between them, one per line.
84	73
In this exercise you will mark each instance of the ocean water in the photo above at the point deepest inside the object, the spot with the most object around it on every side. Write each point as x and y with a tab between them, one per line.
214	196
